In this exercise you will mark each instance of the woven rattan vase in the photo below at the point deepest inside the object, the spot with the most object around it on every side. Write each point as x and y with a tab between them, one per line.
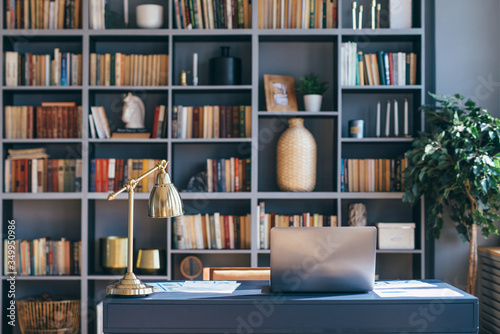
296	158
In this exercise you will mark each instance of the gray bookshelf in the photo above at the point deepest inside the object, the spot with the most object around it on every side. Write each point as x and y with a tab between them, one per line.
87	216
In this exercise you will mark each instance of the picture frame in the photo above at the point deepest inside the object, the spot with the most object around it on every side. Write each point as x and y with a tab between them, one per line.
280	93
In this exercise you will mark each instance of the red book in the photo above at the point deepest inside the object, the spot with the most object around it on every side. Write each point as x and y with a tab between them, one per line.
227	233
118	174
391	75
31	123
104	176
235	125
40	128
215	174
229	122
98	175
155	122
196	122
236	175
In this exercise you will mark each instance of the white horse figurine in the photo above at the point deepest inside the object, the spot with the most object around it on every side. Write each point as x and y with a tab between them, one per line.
133	112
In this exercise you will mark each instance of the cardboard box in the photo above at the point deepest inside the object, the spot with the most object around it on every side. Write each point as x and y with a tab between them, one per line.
396	235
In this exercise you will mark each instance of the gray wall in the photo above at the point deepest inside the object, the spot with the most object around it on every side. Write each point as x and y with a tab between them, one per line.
467	61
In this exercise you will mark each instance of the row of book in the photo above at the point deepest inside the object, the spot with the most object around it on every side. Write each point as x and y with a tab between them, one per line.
38	175
50	120
42	256
108	175
297	14
119	69
27	69
380	68
211	231
43	14
212	121
228	175
266	221
372	175
213	14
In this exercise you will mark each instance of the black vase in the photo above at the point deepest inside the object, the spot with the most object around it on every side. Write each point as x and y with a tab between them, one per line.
225	70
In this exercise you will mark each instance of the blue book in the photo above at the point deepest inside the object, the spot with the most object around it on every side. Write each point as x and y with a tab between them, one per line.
92	176
64	69
220	177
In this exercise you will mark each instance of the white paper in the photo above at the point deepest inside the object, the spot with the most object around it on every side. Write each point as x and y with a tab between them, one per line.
402	284
209	286
423	293
165	286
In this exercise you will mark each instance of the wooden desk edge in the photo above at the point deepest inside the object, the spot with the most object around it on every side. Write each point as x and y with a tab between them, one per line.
490	250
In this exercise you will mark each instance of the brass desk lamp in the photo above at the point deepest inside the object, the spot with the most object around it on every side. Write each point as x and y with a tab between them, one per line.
164	202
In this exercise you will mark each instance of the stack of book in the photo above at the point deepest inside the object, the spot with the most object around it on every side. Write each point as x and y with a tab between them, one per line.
380	68
43	257
214	231
50	120
108	175
98	123
213	14
30	171
60	69
266	221
119	69
372	175
43	14
212	122
297	14
228	175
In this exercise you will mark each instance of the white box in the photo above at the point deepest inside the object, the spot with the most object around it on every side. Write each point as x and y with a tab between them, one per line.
396	235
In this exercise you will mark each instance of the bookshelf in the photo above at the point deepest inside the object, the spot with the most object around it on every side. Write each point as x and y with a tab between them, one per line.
88	216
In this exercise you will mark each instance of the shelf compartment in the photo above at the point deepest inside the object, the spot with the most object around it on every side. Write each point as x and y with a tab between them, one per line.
208	47
298	114
112	101
317	54
146	44
270	130
69	289
374	150
110	218
190	159
213	259
346	15
115	11
398	266
364	106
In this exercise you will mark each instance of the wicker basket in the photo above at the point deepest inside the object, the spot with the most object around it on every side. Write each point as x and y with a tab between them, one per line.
296	158
40	317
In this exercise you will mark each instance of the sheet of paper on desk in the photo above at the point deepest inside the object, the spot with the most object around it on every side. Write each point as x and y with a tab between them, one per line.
209	286
165	286
402	284
425	293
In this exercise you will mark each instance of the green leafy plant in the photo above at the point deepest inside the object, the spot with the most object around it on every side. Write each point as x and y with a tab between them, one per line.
455	164
310	85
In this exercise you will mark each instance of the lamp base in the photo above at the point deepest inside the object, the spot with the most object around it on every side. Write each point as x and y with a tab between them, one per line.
129	285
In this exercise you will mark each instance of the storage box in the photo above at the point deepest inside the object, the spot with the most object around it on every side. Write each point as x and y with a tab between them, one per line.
396	235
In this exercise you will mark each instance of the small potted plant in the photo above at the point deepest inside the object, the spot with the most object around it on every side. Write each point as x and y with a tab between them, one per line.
312	90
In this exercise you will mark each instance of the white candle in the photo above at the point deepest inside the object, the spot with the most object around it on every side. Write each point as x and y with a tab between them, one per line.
377	130
396	122
406	118
125	12
388	118
195	69
354	15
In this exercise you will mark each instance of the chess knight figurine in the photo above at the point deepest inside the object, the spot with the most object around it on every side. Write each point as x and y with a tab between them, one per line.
133	112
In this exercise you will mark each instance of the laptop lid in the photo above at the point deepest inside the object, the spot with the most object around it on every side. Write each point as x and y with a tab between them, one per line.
329	259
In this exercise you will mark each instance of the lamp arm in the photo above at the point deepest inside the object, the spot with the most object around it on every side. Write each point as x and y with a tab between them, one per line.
133	182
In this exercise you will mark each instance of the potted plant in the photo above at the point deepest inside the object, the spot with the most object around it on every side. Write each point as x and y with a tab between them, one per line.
312	90
456	164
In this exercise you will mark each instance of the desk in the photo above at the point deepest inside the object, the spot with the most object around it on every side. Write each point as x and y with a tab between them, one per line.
253	309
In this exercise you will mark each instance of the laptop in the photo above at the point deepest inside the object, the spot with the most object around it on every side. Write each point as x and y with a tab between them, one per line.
323	259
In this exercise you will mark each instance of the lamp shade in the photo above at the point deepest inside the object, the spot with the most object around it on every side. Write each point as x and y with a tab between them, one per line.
164	200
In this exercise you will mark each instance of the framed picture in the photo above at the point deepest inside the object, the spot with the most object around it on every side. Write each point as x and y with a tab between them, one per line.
280	93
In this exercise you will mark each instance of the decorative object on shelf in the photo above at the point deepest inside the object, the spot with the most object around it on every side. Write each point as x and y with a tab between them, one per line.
462	141
195	69
125	13
396	235
374	5
312	90
198	183
45	314
225	70
396	119
356	128
400	14
133	112
150	261
357	214
378	15
354	15
164	202
388	119
280	93
377	129
191	267
296	158
406	133
114	254
360	17
149	16
183	78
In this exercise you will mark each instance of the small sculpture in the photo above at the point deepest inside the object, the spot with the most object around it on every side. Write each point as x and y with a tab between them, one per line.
357	214
133	112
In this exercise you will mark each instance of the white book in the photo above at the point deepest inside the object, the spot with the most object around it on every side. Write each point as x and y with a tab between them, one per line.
11	66
92	127
51	15
184	130
231	233
34	175
207	227
218	220
111	173
57	67
181	242
198	231
216	133
41	173
48	72
97	121
7	174
74	69
104	120
229	16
